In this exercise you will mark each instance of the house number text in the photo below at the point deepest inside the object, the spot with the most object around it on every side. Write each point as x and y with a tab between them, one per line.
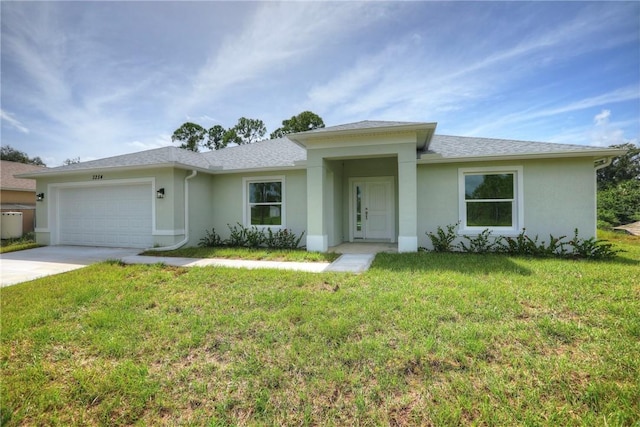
95	177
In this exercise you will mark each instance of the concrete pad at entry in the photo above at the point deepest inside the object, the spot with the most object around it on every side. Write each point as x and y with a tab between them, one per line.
30	264
354	263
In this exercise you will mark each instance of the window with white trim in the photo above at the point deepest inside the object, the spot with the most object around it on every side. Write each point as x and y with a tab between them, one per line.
490	198
264	202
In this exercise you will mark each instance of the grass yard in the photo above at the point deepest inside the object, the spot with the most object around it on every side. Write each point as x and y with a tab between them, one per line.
420	339
295	255
13	245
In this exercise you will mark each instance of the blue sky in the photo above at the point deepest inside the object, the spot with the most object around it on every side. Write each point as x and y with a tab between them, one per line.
96	79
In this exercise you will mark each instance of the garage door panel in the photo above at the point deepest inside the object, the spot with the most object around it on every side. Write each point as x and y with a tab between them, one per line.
106	216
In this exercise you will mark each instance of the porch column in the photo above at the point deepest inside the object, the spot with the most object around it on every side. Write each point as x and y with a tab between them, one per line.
317	238
407	201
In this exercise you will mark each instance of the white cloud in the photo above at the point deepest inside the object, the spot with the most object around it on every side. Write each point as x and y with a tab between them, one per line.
602	118
158	141
13	122
605	133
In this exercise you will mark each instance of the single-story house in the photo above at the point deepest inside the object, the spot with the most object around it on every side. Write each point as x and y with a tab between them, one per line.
366	181
18	195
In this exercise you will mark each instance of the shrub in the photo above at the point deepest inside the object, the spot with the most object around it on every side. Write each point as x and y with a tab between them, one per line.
283	239
441	240
211	239
523	245
237	236
253	237
480	244
591	248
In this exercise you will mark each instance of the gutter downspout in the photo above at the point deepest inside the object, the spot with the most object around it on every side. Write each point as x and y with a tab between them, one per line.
186	218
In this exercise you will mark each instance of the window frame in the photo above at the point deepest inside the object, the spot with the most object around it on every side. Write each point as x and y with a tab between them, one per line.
246	216
517	214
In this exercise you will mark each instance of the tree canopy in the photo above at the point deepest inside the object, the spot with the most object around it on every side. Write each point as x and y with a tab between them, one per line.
11	154
303	122
192	136
622	168
619	188
249	130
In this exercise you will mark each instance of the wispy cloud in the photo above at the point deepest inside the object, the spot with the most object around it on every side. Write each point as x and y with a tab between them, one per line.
275	38
629	93
12	121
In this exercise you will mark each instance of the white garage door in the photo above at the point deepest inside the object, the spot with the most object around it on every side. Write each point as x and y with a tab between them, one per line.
117	216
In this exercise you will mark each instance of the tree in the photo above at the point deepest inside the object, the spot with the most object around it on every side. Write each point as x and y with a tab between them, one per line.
216	140
71	161
619	188
619	204
11	154
623	168
191	136
303	122
249	130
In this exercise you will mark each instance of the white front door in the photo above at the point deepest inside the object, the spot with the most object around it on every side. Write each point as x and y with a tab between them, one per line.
372	210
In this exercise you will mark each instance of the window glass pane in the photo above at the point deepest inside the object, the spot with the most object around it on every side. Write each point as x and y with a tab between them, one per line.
358	208
266	215
493	186
486	214
265	192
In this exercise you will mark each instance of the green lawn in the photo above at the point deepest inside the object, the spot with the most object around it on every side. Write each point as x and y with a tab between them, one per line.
420	339
263	254
13	245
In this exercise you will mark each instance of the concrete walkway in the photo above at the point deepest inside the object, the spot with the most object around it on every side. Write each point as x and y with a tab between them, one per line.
30	264
353	263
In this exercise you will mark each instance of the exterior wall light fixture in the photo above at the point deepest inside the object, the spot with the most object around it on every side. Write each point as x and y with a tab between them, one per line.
160	193
40	197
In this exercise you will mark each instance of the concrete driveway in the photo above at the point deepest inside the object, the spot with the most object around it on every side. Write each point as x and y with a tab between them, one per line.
22	266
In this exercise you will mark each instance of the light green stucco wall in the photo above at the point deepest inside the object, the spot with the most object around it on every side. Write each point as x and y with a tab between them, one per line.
559	196
227	205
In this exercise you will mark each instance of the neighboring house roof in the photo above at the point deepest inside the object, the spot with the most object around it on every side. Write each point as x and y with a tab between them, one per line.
285	153
8	181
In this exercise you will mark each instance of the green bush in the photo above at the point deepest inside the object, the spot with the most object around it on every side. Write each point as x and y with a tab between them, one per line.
619	204
252	237
211	239
521	245
442	240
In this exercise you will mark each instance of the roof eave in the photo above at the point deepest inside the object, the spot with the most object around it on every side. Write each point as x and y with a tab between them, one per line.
296	166
430	158
425	131
176	165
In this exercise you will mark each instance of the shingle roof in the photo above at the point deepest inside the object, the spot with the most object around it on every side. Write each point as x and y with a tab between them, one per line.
460	147
284	153
273	153
156	157
9	182
363	125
